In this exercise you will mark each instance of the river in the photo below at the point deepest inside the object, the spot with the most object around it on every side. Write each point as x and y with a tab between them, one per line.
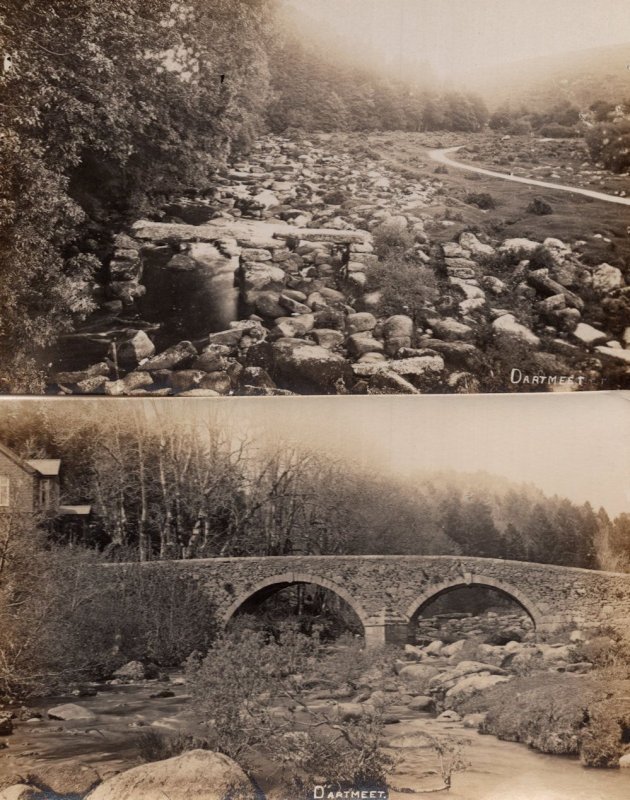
497	770
503	770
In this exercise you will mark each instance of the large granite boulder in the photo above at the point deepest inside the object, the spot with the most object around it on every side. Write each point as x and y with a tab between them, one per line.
197	774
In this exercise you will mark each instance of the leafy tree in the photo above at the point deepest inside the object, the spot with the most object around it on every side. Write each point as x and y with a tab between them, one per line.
107	103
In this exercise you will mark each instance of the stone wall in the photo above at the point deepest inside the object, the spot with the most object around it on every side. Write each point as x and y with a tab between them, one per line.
386	592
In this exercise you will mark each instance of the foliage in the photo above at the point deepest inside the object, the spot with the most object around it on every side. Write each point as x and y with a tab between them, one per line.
405	286
107	103
315	87
558	714
164	487
556	131
609	143
540	207
65	618
483	200
247	690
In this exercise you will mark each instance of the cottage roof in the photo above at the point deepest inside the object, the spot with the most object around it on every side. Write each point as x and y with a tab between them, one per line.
16	459
48	467
75	511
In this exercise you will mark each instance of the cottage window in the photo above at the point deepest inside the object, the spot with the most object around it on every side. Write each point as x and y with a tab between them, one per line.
4	491
44	493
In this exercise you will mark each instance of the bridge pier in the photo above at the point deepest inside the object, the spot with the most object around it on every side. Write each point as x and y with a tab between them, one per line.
387	628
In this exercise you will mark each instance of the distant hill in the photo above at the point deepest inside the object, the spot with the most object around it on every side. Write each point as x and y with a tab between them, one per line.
580	77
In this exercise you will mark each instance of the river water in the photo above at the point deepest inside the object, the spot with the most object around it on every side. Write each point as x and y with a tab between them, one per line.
497	770
503	770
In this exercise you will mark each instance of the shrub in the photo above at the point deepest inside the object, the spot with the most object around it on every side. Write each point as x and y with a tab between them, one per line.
247	690
541	258
334	198
482	200
559	714
70	617
405	286
540	207
610	143
391	238
556	131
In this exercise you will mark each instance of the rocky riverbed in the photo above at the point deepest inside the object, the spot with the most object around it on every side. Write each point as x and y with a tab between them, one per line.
71	744
265	286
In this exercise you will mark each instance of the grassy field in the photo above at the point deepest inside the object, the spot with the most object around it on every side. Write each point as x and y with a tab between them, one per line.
600	227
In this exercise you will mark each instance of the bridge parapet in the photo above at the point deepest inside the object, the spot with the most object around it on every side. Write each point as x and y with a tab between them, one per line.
386	592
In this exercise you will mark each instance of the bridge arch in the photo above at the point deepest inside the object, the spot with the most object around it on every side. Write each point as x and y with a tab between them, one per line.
435	590
282	581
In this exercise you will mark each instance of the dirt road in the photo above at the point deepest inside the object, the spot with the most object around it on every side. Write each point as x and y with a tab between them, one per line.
442	157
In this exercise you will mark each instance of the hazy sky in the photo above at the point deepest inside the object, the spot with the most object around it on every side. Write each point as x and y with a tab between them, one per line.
461	36
574	445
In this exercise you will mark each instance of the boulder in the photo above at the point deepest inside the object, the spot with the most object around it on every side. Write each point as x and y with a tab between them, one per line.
20	791
506	328
328	338
130	383
421	703
134	348
360	322
132	671
397	332
350	712
70	712
179	355
6	725
360	343
261	276
418	367
448	716
418	675
267	304
298	361
473	683
518	246
198	774
74	779
615	353
470	242
450	329
474	720
389	381
606	279
624	763
539	279
588	335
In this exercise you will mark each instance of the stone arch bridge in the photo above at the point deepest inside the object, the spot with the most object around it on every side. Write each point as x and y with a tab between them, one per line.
388	592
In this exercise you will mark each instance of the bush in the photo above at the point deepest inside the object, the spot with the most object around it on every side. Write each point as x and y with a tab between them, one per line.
405	286
71	617
610	143
541	258
247	690
558	714
482	200
540	207
556	131
390	239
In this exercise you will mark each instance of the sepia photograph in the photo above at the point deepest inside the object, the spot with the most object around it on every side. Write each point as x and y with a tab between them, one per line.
314	197
315	598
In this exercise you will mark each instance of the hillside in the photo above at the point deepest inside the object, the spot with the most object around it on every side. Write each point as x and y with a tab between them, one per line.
580	77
